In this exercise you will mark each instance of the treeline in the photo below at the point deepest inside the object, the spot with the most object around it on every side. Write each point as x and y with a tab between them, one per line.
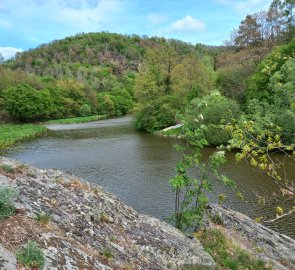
81	75
250	79
27	97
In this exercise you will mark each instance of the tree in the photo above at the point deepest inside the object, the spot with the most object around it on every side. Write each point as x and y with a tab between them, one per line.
282	20
259	83
26	103
212	111
248	33
156	73
85	110
191	192
257	147
153	86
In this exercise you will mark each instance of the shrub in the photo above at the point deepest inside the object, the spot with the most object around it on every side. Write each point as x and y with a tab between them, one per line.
85	110
107	254
157	115
7	196
43	218
31	255
27	103
105	104
7	168
212	111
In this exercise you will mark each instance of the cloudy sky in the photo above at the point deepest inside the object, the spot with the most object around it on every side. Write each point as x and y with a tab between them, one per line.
26	24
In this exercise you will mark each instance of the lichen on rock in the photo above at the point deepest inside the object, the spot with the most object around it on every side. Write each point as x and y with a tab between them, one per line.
90	228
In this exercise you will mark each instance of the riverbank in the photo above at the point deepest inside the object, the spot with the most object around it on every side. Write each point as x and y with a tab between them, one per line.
11	133
172	131
79	226
77	120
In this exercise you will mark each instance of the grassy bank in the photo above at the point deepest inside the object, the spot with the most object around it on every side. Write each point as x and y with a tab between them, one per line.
10	133
172	132
226	253
77	120
13	133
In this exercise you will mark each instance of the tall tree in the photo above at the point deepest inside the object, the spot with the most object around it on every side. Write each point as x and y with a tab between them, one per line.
248	33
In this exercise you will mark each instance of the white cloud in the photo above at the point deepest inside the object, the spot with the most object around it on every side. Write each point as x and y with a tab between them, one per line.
42	20
156	18
188	24
88	18
9	52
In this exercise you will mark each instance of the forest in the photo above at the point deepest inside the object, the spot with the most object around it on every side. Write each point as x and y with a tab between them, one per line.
161	80
241	94
238	97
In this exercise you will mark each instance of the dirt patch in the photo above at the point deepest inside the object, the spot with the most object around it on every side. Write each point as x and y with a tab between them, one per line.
17	230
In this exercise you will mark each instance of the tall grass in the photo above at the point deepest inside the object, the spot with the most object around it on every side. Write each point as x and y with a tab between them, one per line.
77	119
10	133
226	253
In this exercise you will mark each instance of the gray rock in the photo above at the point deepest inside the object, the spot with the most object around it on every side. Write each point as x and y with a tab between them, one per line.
7	259
92	229
272	247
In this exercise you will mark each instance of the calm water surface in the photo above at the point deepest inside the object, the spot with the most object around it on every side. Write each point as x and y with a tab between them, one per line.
136	167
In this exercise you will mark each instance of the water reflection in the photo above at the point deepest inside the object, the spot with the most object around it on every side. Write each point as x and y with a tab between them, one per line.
136	167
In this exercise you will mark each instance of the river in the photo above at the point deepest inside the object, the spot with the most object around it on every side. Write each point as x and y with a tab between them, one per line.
136	167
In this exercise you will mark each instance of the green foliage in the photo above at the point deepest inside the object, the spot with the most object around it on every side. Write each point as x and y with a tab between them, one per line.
231	81
85	110
191	193
7	196
167	79
106	253
226	254
157	115
259	85
256	146
43	218
172	132
281	111
213	111
31	255
77	119
11	134
106	105
26	103
7	168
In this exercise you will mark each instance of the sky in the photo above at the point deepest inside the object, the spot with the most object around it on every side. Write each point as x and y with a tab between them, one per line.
26	24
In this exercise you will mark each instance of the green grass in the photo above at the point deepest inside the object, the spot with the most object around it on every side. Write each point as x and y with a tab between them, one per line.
172	132
10	133
107	254
77	119
7	196
225	253
6	168
43	218
31	255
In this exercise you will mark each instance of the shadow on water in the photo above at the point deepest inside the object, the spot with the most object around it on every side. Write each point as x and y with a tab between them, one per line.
136	167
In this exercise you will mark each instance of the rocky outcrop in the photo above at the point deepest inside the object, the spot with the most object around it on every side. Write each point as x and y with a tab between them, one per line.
90	228
276	250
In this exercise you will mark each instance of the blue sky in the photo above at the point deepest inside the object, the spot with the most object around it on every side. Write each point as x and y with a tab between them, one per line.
26	24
